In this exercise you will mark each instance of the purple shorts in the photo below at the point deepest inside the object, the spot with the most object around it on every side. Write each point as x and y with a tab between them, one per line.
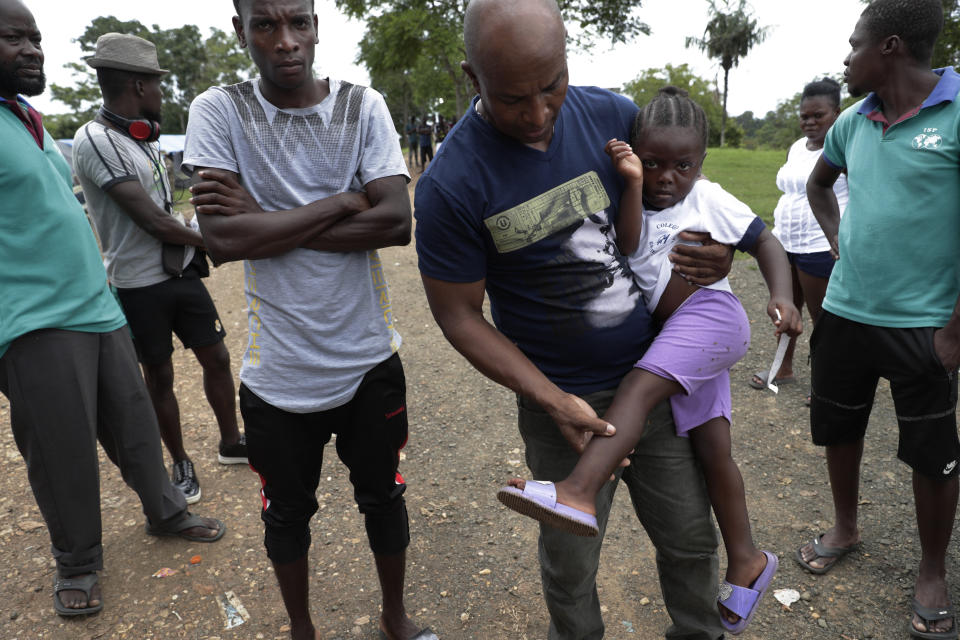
698	344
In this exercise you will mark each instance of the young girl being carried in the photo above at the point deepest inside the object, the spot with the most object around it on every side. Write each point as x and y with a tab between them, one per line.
705	332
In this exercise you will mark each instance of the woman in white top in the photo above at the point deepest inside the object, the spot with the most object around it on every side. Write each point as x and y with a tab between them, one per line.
794	224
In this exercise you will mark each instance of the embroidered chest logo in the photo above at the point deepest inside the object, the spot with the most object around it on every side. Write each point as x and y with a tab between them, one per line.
927	140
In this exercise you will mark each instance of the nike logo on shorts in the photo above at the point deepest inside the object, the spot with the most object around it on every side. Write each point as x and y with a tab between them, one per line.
950	465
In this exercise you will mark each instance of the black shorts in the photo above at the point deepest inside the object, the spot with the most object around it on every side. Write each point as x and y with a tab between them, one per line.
286	450
848	359
818	264
178	305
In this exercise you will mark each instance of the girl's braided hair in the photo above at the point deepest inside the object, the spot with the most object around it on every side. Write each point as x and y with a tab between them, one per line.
672	107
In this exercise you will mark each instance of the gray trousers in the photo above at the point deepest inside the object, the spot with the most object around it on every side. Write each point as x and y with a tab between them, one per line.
670	499
68	389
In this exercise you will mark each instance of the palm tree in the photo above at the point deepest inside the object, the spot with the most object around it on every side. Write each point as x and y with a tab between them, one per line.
729	36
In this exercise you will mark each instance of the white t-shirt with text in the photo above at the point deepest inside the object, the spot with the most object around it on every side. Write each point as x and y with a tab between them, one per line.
706	208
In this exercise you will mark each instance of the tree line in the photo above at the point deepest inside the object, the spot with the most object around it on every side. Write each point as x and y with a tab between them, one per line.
195	63
412	50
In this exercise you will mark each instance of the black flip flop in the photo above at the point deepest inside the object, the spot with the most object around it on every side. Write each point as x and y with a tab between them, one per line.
929	615
83	583
188	522
823	551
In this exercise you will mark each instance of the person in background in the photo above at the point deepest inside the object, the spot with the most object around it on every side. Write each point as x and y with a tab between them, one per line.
425	131
149	252
794	223
413	143
441	128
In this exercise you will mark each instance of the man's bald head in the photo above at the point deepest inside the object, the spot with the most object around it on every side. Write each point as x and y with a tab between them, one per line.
7	5
21	58
517	61
511	27
14	10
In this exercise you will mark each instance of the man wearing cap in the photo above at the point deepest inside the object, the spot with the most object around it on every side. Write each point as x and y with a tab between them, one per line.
148	251
67	365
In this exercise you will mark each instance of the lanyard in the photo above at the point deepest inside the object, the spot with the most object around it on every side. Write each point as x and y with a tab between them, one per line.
161	180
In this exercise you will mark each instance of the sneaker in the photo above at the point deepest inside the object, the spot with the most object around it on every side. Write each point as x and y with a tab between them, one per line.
185	479
235	453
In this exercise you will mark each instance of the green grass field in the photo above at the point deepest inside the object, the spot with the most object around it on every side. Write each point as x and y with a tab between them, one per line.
749	175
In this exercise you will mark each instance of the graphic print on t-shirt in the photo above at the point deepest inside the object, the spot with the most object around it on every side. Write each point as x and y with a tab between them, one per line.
588	282
287	132
544	215
298	299
587	263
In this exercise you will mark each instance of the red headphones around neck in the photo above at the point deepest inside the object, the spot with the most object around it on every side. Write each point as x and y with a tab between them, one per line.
141	130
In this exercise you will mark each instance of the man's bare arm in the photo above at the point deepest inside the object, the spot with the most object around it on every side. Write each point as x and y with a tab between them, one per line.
232	230
702	264
136	203
946	341
823	201
386	223
458	309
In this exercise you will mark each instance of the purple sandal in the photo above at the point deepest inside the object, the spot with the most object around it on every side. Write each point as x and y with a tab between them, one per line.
538	499
743	601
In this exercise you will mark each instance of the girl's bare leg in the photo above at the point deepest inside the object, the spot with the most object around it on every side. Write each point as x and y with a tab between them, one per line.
638	393
711	444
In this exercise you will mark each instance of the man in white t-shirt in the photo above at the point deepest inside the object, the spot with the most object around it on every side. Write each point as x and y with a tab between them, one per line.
148	251
303	179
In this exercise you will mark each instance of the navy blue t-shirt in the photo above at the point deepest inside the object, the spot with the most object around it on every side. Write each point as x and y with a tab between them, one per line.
538	226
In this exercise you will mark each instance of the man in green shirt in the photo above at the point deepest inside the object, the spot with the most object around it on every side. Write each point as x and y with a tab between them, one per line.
67	364
891	307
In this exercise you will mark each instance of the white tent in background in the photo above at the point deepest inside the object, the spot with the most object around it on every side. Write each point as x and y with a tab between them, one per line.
172	143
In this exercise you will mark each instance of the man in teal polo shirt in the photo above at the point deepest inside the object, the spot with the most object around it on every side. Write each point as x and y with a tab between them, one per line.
891	308
67	363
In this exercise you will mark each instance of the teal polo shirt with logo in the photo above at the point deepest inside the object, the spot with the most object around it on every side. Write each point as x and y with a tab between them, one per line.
899	237
51	276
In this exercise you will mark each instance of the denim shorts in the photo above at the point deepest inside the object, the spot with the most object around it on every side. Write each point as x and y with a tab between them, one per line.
818	264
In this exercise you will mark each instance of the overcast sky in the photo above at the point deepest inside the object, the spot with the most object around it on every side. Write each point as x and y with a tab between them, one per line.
806	39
